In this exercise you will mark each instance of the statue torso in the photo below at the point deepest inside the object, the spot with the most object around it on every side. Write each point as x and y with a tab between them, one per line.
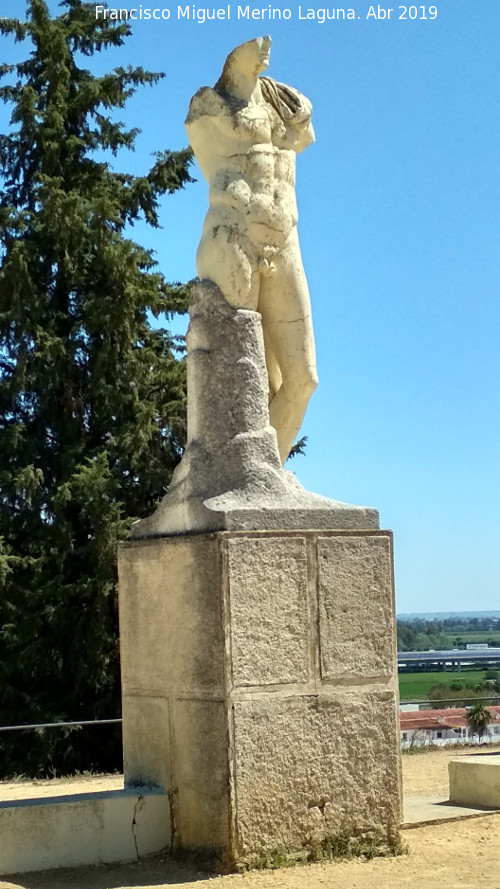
242	153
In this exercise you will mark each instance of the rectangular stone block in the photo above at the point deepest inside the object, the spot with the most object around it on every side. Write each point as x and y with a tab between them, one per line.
475	780
171	630
201	787
147	742
356	608
311	767
268	609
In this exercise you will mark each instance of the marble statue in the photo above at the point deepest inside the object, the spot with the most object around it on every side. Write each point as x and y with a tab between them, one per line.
245	133
250	348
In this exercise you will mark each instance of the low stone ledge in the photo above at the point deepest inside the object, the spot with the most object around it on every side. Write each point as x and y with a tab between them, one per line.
475	780
39	832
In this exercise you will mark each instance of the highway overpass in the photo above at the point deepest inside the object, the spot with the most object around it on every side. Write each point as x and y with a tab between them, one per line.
454	658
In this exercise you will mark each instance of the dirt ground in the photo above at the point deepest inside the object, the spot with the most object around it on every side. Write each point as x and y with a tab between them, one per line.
457	855
427	771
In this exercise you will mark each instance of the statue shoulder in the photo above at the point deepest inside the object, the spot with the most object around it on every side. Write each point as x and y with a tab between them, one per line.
290	104
207	102
293	109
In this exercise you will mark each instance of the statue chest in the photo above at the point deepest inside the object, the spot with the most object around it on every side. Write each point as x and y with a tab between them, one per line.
256	124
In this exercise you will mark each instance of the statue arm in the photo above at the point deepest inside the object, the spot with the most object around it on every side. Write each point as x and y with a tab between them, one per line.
205	124
300	134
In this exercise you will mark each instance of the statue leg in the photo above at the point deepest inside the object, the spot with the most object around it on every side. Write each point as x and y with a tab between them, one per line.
273	369
229	260
286	318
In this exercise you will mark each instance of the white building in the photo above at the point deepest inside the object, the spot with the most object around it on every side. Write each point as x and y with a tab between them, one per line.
421	727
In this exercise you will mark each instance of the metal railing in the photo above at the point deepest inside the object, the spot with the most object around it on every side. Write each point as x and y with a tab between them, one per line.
85	722
458	701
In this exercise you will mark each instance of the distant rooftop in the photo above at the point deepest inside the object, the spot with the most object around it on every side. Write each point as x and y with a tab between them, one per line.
453	717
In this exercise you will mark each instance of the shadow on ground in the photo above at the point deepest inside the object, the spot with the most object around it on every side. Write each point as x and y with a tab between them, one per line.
157	870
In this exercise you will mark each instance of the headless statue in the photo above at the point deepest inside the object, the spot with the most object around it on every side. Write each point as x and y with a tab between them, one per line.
245	133
250	348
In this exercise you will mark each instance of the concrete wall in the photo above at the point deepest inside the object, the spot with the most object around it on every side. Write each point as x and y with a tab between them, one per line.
40	833
475	780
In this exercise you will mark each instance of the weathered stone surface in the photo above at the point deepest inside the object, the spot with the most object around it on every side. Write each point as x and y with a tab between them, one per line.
254	678
315	766
356	610
251	364
171	640
475	780
230	477
267	585
73	829
201	800
147	738
170	617
257	743
245	133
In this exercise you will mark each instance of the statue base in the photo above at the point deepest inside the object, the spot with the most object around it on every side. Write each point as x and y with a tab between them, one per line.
230	477
260	687
273	500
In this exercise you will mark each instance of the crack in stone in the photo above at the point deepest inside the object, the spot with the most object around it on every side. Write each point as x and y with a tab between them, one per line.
173	828
138	806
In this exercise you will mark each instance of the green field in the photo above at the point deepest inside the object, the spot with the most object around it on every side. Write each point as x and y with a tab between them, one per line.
475	636
414	686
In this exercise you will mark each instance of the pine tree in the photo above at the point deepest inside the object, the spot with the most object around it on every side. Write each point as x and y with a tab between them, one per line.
91	397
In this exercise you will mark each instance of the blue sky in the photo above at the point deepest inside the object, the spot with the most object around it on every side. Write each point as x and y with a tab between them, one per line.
399	203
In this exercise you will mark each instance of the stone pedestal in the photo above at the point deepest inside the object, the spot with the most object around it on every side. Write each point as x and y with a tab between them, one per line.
260	686
230	477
